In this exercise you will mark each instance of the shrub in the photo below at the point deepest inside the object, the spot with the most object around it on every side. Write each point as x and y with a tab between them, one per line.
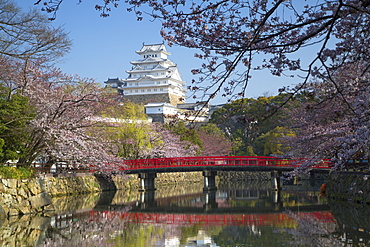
16	172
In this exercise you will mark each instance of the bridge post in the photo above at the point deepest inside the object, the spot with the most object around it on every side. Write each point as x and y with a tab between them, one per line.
210	200
147	199
209	180
147	181
312	178
275	179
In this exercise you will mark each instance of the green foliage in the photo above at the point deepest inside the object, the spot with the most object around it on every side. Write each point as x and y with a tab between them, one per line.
272	142
131	140
246	121
127	110
15	114
16	172
188	232
249	151
139	235
2	142
185	133
211	128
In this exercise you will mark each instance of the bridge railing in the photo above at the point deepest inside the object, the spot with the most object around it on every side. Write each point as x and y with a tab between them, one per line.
218	161
213	219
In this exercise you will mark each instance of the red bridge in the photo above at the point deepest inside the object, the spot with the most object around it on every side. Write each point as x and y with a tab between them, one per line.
224	163
272	219
148	168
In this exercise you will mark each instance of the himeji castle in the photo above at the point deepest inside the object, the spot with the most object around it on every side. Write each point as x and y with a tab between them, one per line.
155	82
153	78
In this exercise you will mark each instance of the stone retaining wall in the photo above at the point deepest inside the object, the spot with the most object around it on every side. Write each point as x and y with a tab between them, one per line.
349	186
178	177
27	196
23	197
243	175
26	230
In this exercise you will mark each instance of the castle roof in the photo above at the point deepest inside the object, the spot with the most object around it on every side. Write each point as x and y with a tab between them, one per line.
153	48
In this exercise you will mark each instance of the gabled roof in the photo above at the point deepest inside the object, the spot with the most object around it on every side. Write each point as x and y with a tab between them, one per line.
137	67
113	80
153	48
159	66
149	60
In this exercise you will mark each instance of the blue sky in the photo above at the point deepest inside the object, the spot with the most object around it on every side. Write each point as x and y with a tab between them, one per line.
103	47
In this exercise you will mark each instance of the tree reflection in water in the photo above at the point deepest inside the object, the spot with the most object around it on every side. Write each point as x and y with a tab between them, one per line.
249	217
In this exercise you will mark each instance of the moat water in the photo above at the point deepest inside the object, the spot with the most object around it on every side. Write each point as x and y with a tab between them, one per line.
237	214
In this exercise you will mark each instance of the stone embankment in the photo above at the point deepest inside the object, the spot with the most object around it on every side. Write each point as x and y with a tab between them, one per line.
244	176
23	197
29	196
349	186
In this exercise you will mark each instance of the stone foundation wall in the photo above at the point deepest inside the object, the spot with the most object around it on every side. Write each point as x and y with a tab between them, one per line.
154	98
26	230
244	175
20	197
178	177
23	197
349	186
57	186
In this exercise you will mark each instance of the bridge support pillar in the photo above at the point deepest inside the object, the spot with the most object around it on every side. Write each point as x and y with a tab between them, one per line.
147	181
209	180
147	199
312	178
275	179
210	200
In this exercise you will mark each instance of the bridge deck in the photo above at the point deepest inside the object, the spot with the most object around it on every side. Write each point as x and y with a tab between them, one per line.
218	163
213	219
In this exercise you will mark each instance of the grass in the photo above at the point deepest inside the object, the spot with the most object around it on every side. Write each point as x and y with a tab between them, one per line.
16	172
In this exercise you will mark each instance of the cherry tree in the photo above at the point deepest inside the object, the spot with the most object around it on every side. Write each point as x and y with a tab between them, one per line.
214	141
169	144
64	106
333	122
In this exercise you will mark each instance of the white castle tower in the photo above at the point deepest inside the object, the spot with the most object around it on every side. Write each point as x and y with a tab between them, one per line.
152	79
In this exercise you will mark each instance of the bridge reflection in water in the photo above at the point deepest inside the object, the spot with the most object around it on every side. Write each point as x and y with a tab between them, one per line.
227	206
234	210
223	219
